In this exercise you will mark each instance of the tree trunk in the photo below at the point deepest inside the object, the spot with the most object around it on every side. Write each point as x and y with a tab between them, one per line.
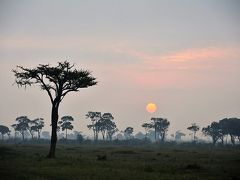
103	135
66	133
54	132
23	135
214	141
163	137
96	135
38	134
232	139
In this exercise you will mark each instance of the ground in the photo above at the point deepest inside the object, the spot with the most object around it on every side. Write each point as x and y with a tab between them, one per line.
90	162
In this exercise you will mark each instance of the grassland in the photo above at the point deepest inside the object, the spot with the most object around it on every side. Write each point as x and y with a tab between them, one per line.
93	162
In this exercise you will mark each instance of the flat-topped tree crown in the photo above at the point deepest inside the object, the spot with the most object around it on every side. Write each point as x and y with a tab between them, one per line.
57	81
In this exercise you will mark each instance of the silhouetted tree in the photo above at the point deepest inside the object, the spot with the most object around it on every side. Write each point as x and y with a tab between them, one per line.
194	128
160	126
128	132
31	127
95	117
4	130
38	124
57	81
110	126
147	127
21	125
178	135
231	126
66	123
214	130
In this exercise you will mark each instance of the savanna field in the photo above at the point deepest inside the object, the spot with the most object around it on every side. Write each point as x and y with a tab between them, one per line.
92	162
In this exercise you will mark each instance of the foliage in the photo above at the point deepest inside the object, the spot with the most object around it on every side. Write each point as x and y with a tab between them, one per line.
128	132
38	125
4	130
147	127
102	123
160	126
22	125
95	117
231	126
57	81
178	135
214	130
66	123
194	128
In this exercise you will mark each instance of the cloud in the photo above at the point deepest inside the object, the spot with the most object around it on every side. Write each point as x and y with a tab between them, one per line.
208	53
186	55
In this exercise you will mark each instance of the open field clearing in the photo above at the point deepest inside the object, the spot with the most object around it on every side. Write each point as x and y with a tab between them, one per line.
119	162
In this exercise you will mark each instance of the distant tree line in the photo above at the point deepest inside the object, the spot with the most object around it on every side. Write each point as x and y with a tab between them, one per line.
103	124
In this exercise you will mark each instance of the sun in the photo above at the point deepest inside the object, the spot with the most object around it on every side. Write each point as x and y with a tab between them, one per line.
151	107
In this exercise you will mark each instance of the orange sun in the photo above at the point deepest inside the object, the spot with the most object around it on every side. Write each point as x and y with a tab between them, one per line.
151	107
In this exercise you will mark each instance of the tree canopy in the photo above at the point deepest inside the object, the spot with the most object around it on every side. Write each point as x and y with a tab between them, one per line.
57	81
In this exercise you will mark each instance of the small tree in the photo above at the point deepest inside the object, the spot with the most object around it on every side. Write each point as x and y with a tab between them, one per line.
128	132
147	127
178	135
22	125
66	123
57	81
38	125
160	126
31	127
107	126
214	130
4	130
231	126
194	128
95	117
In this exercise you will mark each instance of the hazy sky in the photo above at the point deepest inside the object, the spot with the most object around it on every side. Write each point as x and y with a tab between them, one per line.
182	55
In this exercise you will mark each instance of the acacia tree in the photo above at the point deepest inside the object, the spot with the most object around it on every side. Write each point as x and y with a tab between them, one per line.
22	125
57	81
194	128
66	123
